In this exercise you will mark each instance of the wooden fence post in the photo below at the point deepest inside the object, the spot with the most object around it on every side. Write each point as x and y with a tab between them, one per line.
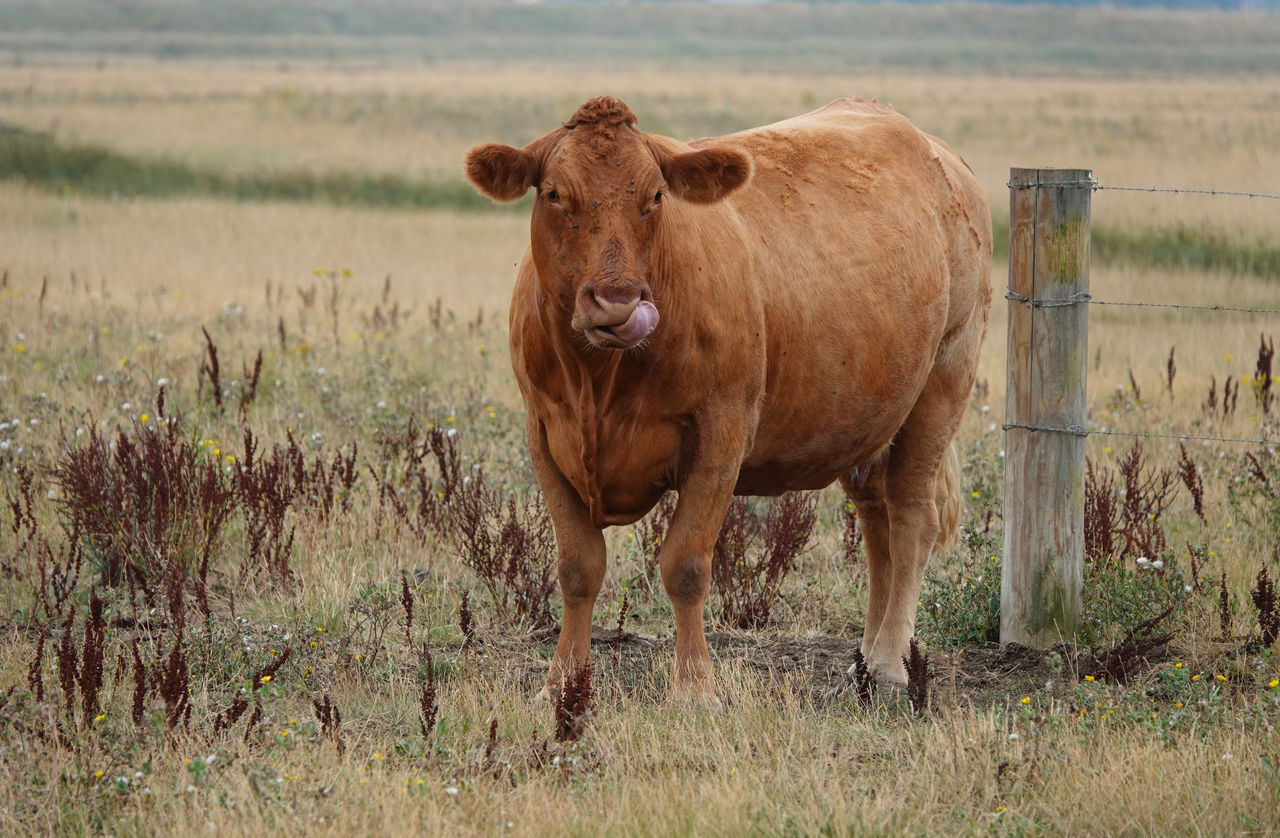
1042	572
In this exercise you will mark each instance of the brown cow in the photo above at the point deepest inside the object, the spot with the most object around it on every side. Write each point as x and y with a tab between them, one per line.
772	310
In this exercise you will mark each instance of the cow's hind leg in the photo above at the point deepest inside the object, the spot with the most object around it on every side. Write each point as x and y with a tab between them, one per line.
919	493
865	486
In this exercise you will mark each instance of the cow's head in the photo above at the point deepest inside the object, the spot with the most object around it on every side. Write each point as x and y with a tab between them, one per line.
602	184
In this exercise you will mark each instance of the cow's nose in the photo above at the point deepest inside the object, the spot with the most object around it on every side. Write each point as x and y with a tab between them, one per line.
610	304
615	316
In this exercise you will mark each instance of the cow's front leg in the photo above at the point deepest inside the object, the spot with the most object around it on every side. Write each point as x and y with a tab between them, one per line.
580	566
685	561
580	562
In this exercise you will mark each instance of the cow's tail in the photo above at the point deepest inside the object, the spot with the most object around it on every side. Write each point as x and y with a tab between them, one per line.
950	501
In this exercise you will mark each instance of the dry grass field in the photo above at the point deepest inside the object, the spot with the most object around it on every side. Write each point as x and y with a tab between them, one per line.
264	668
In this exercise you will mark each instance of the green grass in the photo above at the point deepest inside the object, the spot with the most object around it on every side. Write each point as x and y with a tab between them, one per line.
1187	248
41	161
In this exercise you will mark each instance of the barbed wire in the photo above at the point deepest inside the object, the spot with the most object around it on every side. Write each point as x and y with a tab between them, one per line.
1077	430
1187	306
1084	297
1074	299
1092	184
1098	187
1169	190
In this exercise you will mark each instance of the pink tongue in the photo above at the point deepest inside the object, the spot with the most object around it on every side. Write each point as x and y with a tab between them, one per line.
641	322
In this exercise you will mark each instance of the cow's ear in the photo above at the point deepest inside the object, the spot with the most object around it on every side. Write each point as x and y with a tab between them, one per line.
500	171
706	175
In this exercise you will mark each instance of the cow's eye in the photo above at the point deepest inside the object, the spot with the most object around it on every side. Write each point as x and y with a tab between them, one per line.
653	205
553	195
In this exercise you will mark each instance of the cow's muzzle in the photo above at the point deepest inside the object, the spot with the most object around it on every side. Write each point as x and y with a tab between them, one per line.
615	318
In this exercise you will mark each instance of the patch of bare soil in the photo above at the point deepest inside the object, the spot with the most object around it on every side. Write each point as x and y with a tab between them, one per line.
817	665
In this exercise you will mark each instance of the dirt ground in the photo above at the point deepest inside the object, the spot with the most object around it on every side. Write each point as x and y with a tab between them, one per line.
816	666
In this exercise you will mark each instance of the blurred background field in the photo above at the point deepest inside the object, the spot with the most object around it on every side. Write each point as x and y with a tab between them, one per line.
118	170
945	37
287	177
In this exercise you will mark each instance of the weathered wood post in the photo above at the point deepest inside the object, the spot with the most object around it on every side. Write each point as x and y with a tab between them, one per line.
1042	572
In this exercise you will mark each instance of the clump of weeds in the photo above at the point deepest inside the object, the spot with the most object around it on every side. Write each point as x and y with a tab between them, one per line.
1254	496
573	703
960	602
961	606
507	541
1123	514
1268	611
753	556
148	494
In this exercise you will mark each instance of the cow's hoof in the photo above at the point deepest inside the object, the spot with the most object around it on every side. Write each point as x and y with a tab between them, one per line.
891	675
696	696
709	702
